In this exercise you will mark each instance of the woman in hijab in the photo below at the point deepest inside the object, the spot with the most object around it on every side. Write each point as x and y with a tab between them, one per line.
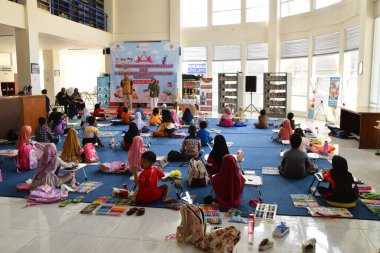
129	135
48	168
219	150
285	131
227	119
340	183
228	184
23	136
167	125
135	153
71	150
173	113
86	114
187	118
139	122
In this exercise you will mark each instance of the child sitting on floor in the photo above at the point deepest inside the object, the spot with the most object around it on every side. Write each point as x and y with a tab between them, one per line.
135	153
174	115
126	118
219	150
187	118
148	191
43	132
240	116
155	118
130	134
191	145
167	125
140	110
203	134
285	132
119	111
290	117
227	119
295	163
340	183
59	123
98	112
263	120
305	141
91	132
85	115
71	149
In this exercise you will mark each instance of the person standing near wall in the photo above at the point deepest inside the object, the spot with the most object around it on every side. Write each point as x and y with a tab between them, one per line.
44	92
154	91
126	84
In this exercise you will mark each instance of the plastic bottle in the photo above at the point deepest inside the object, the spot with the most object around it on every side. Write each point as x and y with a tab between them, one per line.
326	148
251	227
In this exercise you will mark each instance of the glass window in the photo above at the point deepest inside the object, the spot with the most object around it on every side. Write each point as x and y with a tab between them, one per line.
257	11
323	3
256	68
297	68
226	12
375	76
324	67
348	93
293	7
193	13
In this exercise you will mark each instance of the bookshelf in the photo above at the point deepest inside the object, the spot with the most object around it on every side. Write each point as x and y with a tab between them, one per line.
8	89
275	94
228	91
190	87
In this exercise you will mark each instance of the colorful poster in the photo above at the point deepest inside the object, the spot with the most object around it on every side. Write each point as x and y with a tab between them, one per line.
334	91
103	91
142	61
205	99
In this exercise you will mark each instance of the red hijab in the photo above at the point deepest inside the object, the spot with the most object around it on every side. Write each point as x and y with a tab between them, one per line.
286	130
228	184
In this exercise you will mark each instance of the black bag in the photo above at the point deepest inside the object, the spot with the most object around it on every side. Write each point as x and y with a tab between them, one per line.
55	138
175	156
145	129
12	135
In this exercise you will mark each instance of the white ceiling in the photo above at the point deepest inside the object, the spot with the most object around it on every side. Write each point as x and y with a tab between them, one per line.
47	42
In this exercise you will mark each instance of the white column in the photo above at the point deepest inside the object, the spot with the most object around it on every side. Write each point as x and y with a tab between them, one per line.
241	88
27	50
52	73
365	52
273	37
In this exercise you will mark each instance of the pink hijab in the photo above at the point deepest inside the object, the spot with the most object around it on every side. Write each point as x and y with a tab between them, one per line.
174	116
135	152
23	136
286	130
227	114
47	162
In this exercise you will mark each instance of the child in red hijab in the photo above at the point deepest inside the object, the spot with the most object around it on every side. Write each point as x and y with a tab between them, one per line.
228	184
285	131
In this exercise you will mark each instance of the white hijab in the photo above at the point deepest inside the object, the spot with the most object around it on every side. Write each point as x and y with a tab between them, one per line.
140	124
86	113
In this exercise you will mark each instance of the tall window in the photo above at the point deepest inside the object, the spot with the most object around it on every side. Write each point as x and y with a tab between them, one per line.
193	13
293	7
226	59
257	11
294	61
348	93
375	78
257	65
194	60
323	3
325	65
226	12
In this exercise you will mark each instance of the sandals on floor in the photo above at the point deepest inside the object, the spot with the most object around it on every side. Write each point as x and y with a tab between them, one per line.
140	212
309	245
132	211
78	199
266	244
65	202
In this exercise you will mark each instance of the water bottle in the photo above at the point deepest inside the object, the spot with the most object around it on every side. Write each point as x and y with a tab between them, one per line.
251	227
326	148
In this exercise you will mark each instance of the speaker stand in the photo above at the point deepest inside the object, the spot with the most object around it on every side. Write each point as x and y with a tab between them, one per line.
251	106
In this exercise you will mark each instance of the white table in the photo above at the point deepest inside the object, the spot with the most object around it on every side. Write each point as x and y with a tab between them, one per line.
104	125
146	138
80	166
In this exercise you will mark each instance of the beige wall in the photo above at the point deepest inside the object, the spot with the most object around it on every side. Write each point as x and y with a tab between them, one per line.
377	9
141	20
12	14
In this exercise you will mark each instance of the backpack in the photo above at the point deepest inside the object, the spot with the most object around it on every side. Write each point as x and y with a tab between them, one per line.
113	167
197	176
90	154
41	196
178	134
175	156
193	226
27	157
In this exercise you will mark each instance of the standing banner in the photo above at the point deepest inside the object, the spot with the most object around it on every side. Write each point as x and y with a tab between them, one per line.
205	101
312	98
142	61
103	91
333	97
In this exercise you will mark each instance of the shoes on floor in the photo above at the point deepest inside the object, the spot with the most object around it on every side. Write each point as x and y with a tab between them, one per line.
281	230
309	245
266	244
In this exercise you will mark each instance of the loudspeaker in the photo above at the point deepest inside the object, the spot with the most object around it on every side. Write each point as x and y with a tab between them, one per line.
106	51
250	84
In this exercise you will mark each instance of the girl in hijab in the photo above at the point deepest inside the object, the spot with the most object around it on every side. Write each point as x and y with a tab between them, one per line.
48	168
71	150
173	113
24	136
139	122
59	124
167	125
129	135
219	150
227	119
187	118
228	184
86	114
135	153
285	131
340	183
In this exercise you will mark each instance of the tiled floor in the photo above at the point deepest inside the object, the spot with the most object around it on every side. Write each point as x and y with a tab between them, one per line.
52	229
